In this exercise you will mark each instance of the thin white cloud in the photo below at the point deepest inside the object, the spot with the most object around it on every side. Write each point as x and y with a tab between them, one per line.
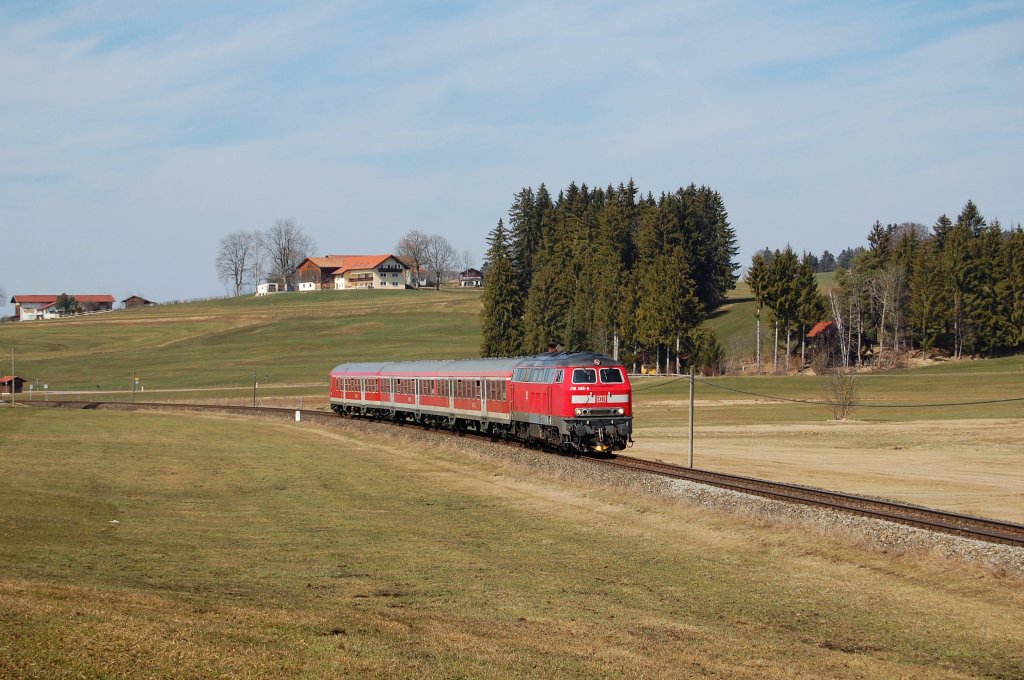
364	121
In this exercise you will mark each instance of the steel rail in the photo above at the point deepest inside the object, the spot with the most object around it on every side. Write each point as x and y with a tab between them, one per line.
969	526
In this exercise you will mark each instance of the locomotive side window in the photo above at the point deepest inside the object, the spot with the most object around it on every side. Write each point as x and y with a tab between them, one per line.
560	375
584	376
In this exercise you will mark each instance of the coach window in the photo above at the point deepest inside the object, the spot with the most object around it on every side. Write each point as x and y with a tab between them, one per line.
584	376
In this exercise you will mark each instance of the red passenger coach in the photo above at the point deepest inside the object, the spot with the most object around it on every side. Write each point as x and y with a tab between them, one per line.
580	401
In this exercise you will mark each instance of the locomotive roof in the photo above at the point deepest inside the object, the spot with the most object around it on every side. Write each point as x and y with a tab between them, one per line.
455	366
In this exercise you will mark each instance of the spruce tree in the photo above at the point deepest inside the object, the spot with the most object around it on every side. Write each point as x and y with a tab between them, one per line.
957	267
811	307
502	316
1014	257
526	236
782	295
941	229
971	218
757	280
928	299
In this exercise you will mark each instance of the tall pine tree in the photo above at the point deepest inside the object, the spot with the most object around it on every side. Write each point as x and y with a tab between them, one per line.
502	316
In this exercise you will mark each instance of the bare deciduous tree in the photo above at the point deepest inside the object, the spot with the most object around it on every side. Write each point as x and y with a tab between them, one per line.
888	289
466	260
286	246
842	393
439	258
258	270
413	249
235	257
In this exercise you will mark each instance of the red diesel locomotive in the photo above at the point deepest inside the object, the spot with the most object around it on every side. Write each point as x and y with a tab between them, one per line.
578	401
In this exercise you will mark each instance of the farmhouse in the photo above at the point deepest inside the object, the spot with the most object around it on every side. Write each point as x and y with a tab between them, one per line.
33	307
345	272
471	278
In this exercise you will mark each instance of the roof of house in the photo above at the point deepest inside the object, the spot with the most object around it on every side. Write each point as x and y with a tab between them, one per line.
50	299
136	297
8	378
344	263
820	328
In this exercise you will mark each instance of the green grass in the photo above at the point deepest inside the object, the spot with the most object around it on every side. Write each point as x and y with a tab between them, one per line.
944	392
286	339
209	351
256	548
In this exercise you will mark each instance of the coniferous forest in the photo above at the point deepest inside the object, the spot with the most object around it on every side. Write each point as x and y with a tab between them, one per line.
957	288
609	270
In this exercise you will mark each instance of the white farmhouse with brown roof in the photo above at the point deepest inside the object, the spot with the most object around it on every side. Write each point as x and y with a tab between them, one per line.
33	307
346	272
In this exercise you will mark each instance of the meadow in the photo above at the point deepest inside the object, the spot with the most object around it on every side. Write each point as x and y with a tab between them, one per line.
947	435
169	545
285	339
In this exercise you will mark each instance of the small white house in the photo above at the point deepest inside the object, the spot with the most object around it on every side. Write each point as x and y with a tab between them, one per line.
307	285
266	288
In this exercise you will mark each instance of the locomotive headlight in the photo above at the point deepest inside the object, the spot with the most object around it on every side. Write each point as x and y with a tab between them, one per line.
579	412
620	411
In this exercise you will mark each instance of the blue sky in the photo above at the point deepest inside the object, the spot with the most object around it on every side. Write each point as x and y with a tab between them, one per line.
135	135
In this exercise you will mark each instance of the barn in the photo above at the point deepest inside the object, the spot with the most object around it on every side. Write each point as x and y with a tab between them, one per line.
136	301
9	381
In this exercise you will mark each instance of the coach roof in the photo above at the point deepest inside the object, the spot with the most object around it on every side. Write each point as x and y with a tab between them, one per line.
477	366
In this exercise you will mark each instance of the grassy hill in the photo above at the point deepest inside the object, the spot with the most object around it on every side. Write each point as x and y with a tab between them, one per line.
295	339
285	338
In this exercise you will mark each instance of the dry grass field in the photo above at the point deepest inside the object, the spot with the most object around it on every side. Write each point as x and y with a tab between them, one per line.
970	466
950	436
158	545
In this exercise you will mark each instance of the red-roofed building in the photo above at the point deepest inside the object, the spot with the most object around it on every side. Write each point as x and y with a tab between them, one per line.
9	382
344	272
820	328
33	307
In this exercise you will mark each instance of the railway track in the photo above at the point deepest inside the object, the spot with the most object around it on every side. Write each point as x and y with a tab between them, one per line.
979	528
968	526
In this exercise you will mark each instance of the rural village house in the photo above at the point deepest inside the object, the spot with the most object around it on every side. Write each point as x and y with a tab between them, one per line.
345	272
471	278
33	307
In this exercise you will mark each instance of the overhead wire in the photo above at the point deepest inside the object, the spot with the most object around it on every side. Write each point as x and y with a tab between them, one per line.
856	404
